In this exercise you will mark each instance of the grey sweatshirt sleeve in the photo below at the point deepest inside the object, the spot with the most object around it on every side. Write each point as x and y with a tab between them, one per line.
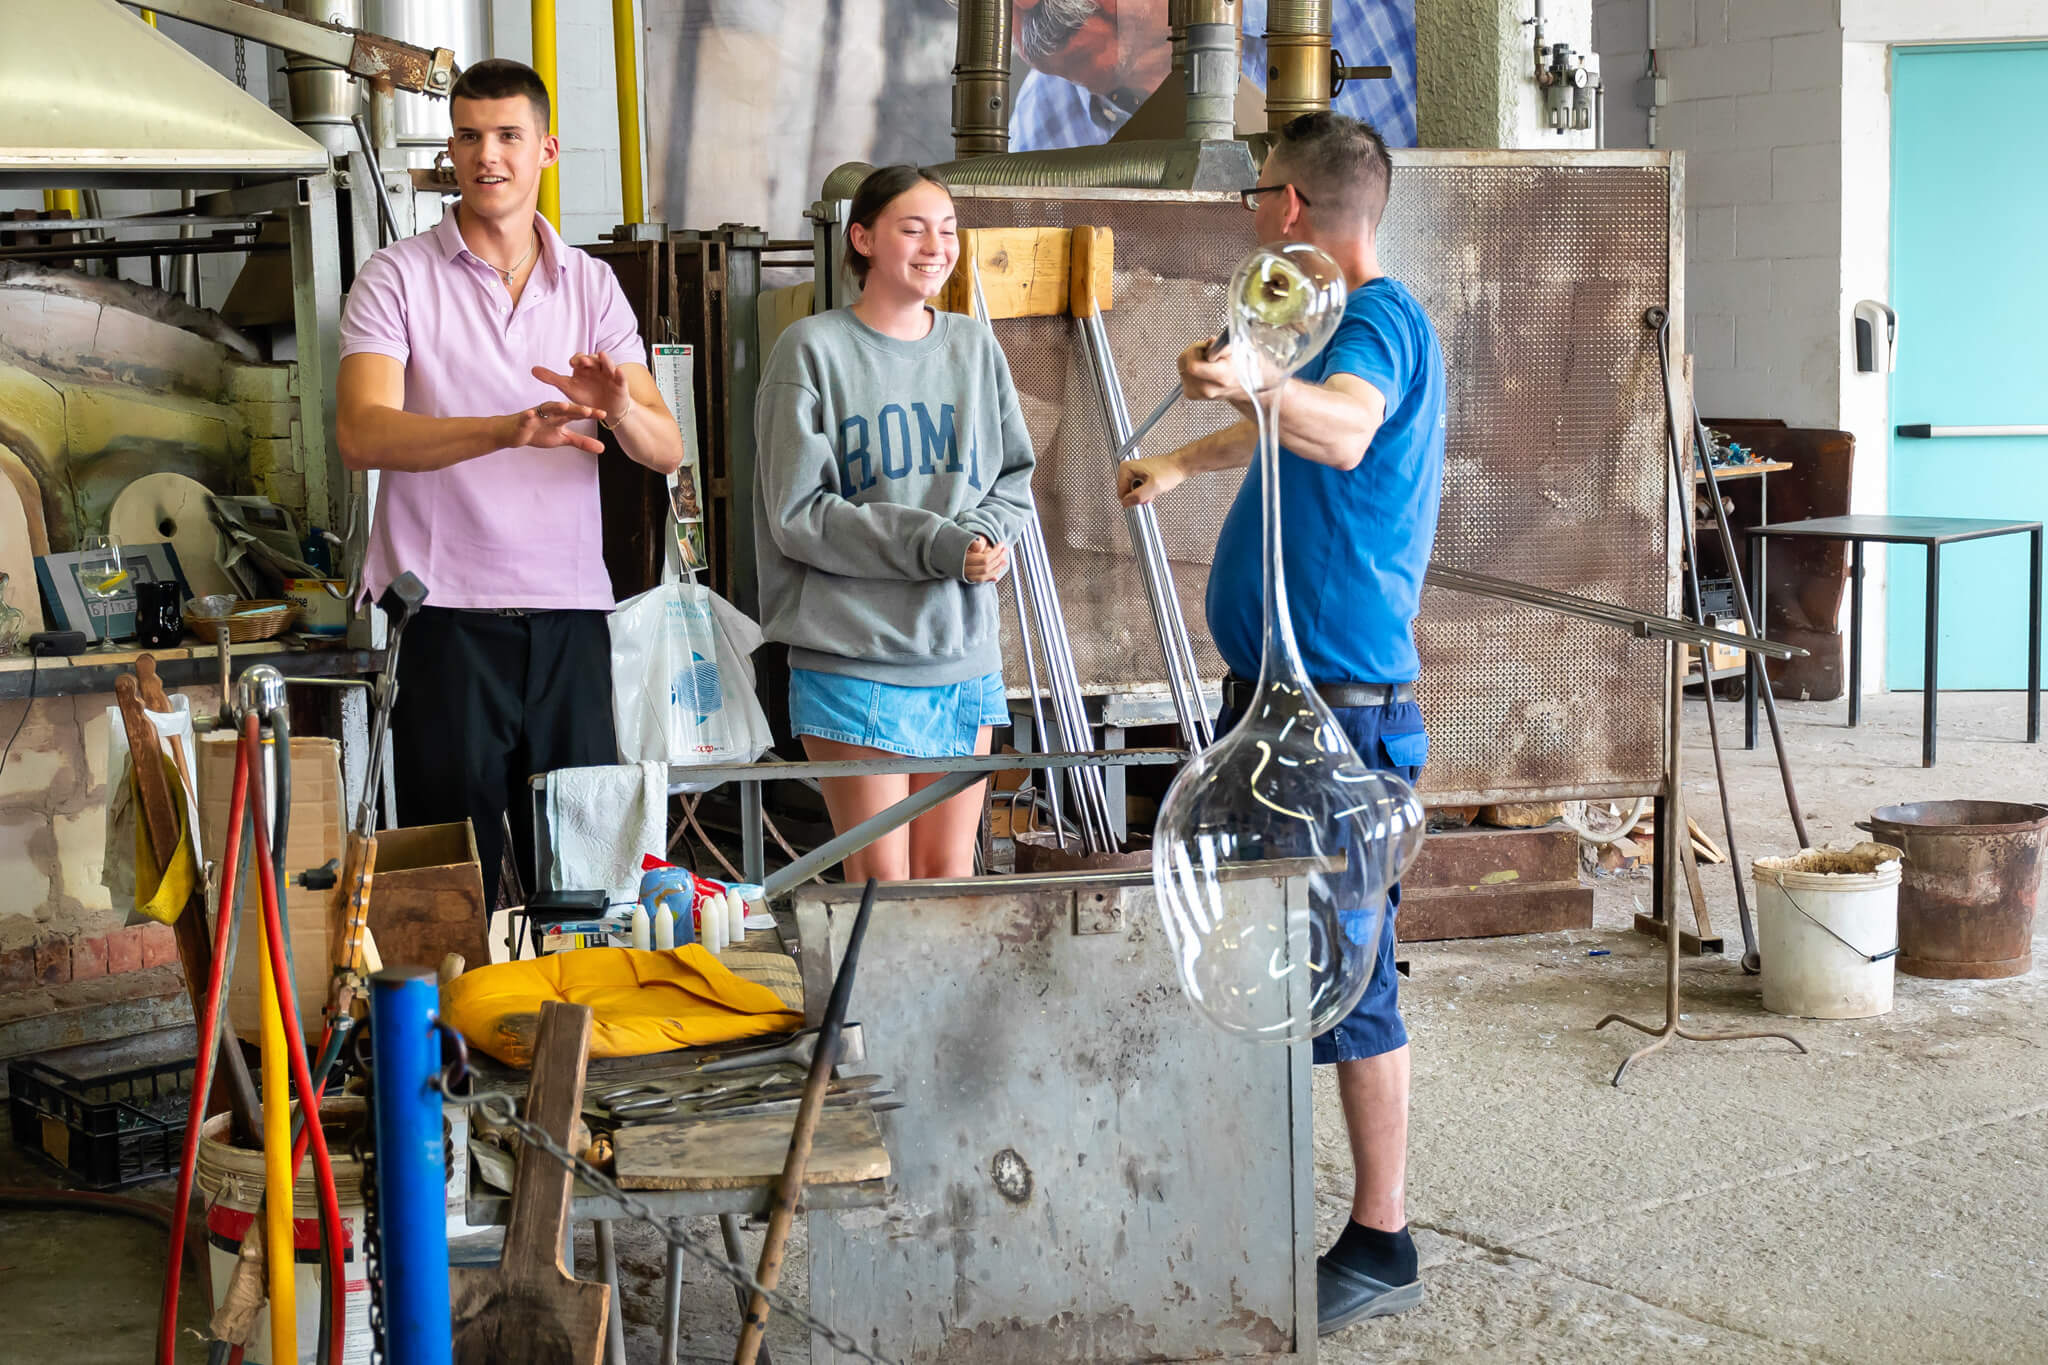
811	523
1007	506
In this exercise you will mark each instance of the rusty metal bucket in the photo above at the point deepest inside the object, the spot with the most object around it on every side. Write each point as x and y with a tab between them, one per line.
1966	907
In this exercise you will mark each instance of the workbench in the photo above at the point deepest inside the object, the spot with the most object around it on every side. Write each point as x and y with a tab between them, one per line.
692	1187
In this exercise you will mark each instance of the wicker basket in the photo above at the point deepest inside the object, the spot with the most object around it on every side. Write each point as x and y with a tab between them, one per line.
244	629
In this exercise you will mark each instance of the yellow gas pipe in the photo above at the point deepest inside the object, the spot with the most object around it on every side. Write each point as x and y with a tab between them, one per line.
626	71
279	1244
544	64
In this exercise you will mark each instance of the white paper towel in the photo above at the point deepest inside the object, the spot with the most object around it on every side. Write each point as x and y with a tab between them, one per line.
601	821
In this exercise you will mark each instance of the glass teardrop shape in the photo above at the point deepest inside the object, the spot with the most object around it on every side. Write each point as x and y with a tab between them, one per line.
1275	848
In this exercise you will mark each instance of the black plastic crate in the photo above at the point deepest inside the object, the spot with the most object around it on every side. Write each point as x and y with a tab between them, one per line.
107	1131
1717	599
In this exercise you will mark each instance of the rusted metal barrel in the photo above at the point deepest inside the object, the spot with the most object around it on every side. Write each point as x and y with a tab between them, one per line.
1966	907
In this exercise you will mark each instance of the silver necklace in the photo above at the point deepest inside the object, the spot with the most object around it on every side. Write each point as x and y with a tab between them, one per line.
518	265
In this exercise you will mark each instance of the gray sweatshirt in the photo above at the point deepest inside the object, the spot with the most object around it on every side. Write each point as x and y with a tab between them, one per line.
879	463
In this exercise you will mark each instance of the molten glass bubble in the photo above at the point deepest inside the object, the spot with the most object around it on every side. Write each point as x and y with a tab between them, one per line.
1275	848
1284	301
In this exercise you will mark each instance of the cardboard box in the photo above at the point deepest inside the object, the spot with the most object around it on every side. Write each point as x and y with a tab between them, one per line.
316	835
427	897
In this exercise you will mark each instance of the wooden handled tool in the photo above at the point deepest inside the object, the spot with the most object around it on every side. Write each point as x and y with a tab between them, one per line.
157	700
528	1309
790	1188
195	952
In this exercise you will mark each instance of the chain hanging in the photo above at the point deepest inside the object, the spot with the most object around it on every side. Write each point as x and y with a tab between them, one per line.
502	1108
373	1243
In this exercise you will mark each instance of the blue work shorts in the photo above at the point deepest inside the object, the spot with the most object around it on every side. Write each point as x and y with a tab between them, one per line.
1391	738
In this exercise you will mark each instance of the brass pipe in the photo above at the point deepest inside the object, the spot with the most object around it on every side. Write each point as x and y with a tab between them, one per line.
1297	60
626	78
62	201
544	65
981	79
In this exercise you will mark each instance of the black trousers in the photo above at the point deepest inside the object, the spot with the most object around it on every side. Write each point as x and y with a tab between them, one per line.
487	701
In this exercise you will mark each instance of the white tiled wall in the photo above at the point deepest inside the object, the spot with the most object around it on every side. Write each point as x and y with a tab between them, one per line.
1754	101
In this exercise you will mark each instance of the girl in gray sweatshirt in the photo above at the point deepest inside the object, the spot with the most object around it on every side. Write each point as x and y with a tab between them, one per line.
894	477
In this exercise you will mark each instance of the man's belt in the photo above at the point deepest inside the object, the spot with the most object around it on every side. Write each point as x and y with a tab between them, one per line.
1238	694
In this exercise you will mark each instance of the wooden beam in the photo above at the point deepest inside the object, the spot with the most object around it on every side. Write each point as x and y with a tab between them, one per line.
1026	272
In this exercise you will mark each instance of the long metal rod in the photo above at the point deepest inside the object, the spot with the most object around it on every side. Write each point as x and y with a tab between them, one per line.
1182	670
1129	447
1755	627
11	226
866	832
1092	802
1641	623
376	170
1040	736
1681	487
1670	828
1142	524
1034	561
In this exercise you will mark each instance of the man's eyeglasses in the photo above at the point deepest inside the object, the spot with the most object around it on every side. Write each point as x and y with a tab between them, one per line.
1250	198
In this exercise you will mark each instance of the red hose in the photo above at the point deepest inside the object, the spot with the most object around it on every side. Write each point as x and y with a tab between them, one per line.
202	1076
302	1074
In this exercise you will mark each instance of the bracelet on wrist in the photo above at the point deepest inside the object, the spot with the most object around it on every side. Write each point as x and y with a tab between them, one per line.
610	425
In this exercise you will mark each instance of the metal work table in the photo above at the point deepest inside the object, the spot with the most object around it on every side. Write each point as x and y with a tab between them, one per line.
958	775
1932	533
1114	714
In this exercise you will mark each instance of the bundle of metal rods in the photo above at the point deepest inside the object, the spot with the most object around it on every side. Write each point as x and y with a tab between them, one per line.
1038	601
1182	675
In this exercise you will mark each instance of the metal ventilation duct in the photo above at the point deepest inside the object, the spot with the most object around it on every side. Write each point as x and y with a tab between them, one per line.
96	96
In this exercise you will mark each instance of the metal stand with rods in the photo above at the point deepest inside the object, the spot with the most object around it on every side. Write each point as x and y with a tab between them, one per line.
1671	823
1070	714
1682	487
1667	874
1758	676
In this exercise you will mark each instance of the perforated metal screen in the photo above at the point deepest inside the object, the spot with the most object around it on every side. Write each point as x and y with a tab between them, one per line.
1537	270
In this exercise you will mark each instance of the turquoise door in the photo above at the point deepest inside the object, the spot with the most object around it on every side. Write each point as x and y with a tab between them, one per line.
1970	284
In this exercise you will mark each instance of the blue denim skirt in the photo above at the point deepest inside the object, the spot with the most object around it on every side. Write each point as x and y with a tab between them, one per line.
918	722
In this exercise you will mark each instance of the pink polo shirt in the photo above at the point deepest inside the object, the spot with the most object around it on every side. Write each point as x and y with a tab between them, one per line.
518	527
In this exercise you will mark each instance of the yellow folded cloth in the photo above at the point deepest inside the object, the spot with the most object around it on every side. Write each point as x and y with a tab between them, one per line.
642	1002
161	891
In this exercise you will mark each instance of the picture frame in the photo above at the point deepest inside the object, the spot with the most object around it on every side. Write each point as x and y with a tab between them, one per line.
71	608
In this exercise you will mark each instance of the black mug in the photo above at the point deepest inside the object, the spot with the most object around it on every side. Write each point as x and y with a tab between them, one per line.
157	622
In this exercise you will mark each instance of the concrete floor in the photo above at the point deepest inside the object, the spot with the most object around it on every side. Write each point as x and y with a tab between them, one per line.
1878	1198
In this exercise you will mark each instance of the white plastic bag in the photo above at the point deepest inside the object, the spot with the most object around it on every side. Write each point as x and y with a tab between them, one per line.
682	689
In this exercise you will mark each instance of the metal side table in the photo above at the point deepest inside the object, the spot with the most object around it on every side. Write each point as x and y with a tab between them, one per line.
1931	533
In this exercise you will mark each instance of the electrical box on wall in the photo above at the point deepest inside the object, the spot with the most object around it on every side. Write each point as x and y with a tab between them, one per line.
1877	338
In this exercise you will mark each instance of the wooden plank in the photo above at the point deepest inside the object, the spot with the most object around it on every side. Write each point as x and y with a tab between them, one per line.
1484	857
1089	271
732	1154
1025	272
1494	911
528	1309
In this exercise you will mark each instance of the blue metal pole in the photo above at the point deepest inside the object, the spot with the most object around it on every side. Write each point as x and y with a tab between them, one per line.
411	1179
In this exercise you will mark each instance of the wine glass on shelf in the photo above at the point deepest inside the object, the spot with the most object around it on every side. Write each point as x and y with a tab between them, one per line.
102	578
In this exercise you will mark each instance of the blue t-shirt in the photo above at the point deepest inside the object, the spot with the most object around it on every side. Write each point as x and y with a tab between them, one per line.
1356	542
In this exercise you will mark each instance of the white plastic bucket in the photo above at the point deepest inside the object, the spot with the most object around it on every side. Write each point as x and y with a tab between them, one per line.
1827	924
230	1179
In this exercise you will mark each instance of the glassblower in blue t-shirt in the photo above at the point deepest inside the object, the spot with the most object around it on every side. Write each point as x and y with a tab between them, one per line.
1361	475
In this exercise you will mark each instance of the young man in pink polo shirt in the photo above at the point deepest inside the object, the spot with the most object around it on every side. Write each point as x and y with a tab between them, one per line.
488	460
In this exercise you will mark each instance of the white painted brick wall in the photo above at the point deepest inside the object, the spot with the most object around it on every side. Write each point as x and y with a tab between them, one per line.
1787	232
1779	18
1699	73
1738	176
